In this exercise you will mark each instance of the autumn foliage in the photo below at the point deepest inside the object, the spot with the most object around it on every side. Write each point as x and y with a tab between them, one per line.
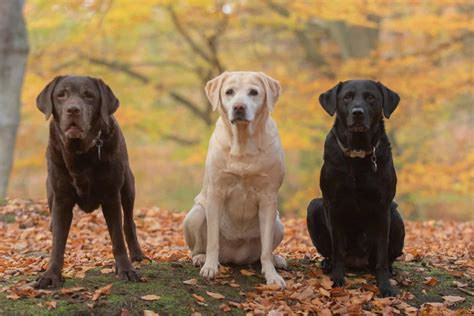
157	56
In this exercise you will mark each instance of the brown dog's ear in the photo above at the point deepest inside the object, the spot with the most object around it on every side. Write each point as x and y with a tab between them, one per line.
44	101
328	99
390	100
108	101
272	90
213	89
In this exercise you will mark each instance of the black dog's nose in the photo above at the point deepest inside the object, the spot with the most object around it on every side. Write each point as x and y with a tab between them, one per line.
73	110
358	112
239	108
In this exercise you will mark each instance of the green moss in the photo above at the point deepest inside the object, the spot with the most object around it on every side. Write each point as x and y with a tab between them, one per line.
7	218
166	280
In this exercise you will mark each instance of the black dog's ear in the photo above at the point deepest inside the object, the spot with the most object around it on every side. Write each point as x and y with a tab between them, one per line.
328	99
108	101
44	101
390	100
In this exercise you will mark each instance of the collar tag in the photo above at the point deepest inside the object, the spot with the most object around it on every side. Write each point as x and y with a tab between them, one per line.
356	153
99	143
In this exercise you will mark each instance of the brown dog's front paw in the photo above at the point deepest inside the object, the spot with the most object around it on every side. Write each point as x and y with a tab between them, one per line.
48	280
139	256
128	275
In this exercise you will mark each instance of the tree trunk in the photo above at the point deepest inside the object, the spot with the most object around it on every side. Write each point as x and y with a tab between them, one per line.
13	57
354	41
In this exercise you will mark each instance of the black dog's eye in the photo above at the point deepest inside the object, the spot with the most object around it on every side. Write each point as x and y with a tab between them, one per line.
348	97
370	98
229	92
62	94
253	92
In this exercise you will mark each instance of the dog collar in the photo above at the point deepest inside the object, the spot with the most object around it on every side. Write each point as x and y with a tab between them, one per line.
359	153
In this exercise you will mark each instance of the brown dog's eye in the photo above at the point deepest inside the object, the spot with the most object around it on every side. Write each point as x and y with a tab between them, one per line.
88	95
348	97
253	92
229	92
62	94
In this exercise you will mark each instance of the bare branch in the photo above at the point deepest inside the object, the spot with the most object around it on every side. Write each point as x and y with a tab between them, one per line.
180	140
187	37
192	107
117	66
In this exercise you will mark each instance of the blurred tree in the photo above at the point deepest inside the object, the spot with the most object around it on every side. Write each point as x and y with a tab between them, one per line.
13	57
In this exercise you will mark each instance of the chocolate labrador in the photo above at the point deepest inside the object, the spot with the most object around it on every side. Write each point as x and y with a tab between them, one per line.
88	166
356	223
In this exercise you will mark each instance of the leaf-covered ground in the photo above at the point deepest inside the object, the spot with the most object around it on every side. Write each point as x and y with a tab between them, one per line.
435	276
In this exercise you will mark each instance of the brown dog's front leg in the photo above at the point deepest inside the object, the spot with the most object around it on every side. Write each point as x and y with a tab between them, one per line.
61	222
113	216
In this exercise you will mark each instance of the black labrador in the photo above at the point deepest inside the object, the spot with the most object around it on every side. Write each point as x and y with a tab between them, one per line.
88	166
356	223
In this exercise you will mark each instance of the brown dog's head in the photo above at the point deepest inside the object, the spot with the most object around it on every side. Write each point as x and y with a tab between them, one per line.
77	103
359	103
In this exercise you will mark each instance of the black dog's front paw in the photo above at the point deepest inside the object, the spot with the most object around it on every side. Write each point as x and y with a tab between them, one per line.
129	274
387	291
326	265
49	280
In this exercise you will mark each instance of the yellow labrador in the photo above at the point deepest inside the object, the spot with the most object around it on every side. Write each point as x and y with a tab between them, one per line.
235	217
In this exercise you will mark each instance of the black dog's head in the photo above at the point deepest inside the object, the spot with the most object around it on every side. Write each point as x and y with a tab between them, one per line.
77	104
359	103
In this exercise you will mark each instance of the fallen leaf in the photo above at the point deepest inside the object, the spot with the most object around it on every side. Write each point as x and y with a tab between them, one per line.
431	281
198	298
191	281
268	287
217	296
452	299
105	290
51	305
247	272
125	312
150	297
225	308
107	270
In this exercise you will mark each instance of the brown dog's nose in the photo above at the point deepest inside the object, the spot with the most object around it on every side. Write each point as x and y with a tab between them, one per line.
358	112
73	110
239	108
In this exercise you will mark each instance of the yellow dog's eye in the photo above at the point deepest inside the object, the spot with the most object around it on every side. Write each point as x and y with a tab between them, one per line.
253	92
229	92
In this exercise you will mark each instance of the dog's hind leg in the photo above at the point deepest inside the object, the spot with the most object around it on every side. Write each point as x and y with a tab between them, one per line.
319	231
396	237
195	233
127	195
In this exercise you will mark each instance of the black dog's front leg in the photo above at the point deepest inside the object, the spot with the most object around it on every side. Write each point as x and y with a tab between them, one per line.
381	230
338	237
61	222
113	216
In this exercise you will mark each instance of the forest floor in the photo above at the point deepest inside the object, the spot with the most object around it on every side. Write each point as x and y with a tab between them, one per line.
434	276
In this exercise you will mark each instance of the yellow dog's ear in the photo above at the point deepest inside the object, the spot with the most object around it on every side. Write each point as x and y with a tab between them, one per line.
213	89
272	90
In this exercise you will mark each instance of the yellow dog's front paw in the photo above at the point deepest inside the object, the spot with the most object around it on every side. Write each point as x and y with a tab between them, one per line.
275	278
209	271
